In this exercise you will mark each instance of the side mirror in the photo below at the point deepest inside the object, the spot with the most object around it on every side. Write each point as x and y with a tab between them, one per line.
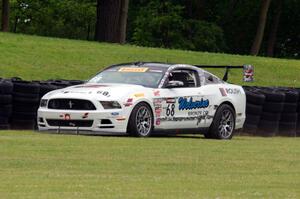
174	84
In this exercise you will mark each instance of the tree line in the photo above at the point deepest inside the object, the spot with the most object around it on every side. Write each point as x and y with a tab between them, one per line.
256	27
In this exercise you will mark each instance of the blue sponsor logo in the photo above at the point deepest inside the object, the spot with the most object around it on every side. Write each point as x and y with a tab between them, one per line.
189	104
114	113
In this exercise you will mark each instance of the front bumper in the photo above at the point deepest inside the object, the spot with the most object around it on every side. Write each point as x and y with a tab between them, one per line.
110	121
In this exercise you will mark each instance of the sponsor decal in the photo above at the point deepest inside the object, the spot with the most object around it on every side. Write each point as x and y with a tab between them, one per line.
157	111
157	101
170	100
223	92
139	95
121	118
190	104
197	113
115	113
104	93
65	116
86	115
157	122
91	86
156	93
129	102
233	91
156	71
133	69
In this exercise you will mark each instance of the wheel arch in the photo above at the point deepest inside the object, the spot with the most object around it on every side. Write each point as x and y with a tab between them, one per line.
148	102
229	104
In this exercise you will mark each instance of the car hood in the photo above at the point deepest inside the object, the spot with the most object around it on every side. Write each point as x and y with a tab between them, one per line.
97	91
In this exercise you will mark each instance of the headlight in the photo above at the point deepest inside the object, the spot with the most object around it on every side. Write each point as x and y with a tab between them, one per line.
43	103
110	104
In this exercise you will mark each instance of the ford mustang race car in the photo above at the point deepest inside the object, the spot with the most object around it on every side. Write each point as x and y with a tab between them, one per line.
144	98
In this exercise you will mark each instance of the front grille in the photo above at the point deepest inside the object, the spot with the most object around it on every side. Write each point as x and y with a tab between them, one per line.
70	123
71	104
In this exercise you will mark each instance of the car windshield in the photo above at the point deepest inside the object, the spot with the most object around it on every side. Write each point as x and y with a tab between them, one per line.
145	76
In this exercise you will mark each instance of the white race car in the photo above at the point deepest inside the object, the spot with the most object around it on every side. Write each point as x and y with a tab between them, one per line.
143	98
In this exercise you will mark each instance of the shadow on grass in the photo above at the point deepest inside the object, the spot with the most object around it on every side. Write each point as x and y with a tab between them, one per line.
122	135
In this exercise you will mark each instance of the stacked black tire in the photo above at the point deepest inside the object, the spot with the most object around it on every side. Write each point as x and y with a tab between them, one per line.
289	115
298	112
26	98
6	88
254	106
272	109
19	100
277	115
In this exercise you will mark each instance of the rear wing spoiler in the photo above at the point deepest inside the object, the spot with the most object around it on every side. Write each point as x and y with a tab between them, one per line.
227	68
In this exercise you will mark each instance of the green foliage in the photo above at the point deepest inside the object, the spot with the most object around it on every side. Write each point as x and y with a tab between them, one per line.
158	24
68	18
203	36
161	24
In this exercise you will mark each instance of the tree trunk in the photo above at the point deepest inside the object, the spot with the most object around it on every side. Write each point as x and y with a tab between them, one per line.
111	20
123	20
5	15
274	29
261	27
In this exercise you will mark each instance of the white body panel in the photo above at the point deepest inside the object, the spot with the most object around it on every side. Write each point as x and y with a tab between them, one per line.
173	108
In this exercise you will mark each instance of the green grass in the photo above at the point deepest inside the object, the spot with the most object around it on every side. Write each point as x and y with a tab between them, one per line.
32	57
35	165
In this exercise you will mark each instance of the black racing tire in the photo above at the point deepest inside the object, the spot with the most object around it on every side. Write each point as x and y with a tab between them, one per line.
223	124
273	107
287	129
249	128
5	99
141	113
289	117
267	128
290	107
45	88
75	82
275	117
18	107
26	95
253	109
26	100
4	120
291	95
26	87
6	110
252	119
6	86
255	97
24	115
273	96
4	126
17	124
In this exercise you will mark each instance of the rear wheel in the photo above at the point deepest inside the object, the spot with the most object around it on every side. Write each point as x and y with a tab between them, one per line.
140	121
223	124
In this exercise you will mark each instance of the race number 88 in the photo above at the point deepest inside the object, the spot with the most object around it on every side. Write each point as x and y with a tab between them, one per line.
170	110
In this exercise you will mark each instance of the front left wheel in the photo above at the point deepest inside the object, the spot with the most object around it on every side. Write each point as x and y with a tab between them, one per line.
140	122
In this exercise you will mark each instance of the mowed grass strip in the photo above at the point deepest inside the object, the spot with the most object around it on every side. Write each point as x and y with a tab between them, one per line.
41	58
36	165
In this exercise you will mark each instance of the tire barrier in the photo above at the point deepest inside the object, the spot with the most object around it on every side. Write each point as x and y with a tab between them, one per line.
6	89
272	111
269	111
19	100
254	108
